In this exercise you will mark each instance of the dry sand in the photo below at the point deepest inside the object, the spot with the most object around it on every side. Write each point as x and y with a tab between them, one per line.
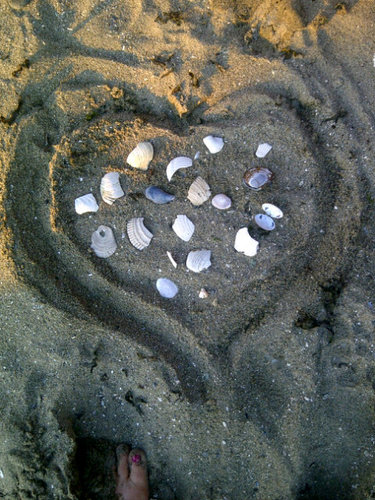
263	390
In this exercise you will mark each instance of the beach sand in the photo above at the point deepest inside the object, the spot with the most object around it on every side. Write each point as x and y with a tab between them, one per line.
265	388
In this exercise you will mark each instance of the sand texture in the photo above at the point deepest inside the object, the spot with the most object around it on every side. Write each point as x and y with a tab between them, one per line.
262	390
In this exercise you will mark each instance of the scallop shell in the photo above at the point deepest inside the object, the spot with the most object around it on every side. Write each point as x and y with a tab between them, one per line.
110	187
263	150
183	227
213	144
244	243
265	222
166	288
198	260
85	203
103	242
199	192
272	210
158	196
176	164
141	156
221	201
139	236
256	178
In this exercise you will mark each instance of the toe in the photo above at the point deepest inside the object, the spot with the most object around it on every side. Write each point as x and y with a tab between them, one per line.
138	467
122	456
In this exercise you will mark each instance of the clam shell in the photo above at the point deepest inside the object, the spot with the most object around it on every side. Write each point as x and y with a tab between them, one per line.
199	192
139	236
256	178
110	187
198	260
103	242
85	203
183	227
265	222
141	156
166	288
221	201
176	164
263	150
244	243
213	144
158	196
272	210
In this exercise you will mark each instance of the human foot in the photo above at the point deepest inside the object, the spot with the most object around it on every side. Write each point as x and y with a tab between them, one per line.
132	482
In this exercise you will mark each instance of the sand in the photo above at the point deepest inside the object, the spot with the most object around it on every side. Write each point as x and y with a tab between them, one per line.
265	388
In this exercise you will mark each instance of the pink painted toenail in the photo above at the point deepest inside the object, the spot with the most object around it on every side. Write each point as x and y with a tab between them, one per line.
136	459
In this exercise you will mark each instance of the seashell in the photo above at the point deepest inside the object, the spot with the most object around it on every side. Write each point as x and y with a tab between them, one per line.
166	288
183	227
158	196
203	294
221	201
244	243
170	257
213	144
86	203
197	155
198	260
141	156
199	192
139	236
265	222
176	164
256	178
103	242
263	150
272	210
110	187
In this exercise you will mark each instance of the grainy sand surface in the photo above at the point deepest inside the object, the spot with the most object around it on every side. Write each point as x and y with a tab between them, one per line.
264	389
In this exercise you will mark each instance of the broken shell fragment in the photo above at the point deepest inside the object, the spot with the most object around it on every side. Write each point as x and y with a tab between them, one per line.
263	150
158	196
203	294
141	156
183	227
110	187
103	242
198	260
272	210
176	164
199	192
256	178
170	257
244	243
139	236
265	222
213	144
86	203
221	201
166	288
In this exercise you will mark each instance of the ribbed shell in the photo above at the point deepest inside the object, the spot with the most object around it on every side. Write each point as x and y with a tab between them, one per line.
85	203
183	227
103	242
199	192
198	260
176	164
166	288
141	156
213	144
110	187
244	243
263	150
139	236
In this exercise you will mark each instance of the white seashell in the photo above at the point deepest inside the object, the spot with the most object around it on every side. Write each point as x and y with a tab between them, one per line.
203	294
141	156
221	201
176	164
213	144
183	227
272	210
244	243
139	236
110	187
198	260
197	155
170	257
103	242
263	150
265	222
86	203
199	192
166	288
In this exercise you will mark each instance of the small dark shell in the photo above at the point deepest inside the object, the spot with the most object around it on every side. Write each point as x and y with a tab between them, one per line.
256	178
158	196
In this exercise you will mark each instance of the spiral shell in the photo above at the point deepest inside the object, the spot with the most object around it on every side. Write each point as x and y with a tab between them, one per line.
85	203
198	260
141	156
199	192
139	236
244	243
183	227
256	178
110	187
176	164
103	242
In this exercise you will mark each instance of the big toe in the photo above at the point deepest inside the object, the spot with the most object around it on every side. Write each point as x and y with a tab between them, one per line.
138	468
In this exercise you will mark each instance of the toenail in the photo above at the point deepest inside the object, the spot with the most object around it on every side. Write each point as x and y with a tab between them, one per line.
136	459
